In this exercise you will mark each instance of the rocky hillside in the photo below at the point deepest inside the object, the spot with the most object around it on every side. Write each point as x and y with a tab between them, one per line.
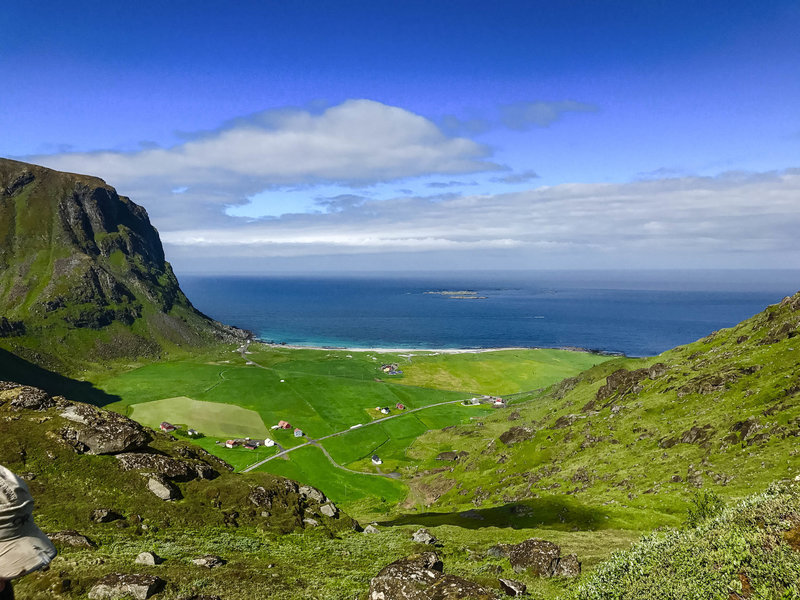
103	482
82	268
721	413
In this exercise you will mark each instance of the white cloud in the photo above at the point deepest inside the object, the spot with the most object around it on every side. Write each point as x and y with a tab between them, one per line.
669	222
355	143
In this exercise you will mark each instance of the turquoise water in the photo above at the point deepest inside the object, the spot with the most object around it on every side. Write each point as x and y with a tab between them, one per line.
637	313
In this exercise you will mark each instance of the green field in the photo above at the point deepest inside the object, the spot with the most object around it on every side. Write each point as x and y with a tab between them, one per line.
212	418
328	391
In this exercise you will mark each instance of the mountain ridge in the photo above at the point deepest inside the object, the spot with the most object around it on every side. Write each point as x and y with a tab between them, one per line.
83	266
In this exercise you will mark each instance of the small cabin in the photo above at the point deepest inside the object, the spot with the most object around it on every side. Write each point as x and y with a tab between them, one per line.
385	410
298	433
167	427
192	432
284	425
376	460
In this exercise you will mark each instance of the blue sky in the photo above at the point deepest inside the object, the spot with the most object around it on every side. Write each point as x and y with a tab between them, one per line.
349	135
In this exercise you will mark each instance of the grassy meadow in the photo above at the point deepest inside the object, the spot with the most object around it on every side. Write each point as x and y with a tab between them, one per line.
324	392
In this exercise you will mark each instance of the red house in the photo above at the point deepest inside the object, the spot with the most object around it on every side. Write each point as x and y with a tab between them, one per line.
167	427
399	406
284	425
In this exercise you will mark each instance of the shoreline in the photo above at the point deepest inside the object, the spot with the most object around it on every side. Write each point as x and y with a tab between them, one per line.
436	350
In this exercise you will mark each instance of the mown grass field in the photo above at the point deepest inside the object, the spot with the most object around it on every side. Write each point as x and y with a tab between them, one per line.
328	391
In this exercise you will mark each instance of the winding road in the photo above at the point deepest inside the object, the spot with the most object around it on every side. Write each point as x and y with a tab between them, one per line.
315	441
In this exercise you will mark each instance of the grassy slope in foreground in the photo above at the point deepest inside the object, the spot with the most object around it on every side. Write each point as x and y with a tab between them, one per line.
639	435
328	391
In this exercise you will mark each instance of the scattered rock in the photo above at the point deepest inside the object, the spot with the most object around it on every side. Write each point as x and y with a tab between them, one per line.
311	493
420	577
26	397
538	557
172	468
568	566
516	434
209	561
745	428
70	537
122	585
371	529
423	536
512	588
623	382
329	510
311	522
566	421
104	432
163	487
148	558
104	515
451	456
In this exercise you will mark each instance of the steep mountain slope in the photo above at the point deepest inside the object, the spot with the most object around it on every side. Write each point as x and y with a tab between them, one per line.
721	413
82	268
97	474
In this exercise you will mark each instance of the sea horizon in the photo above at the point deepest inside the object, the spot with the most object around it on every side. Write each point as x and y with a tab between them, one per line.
636	313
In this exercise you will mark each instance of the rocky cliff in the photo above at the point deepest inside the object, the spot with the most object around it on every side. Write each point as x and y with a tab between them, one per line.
82	265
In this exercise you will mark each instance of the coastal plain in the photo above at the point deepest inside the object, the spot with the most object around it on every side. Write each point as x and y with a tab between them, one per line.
237	393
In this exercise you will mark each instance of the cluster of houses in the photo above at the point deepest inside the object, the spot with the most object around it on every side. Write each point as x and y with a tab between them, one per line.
384	410
286	425
169	428
495	401
391	369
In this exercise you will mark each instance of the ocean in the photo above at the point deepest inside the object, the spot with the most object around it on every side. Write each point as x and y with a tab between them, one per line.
635	313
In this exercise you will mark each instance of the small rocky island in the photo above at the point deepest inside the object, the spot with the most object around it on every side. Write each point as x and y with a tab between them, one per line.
459	294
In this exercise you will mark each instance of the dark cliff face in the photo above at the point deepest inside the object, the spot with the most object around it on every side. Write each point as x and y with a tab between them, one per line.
74	255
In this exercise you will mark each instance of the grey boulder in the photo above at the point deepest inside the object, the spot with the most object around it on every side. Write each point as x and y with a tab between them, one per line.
420	577
121	585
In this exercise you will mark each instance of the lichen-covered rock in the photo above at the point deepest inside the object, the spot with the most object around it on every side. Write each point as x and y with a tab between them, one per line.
103	431
516	434
329	510
209	561
148	558
162	487
568	566
104	515
420	577
371	529
538	557
21	397
311	493
423	536
70	537
122	585
172	468
512	588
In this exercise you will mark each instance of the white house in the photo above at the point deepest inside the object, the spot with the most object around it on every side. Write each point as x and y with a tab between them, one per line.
376	460
269	443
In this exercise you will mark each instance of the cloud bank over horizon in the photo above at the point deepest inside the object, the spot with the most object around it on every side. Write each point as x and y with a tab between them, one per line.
216	197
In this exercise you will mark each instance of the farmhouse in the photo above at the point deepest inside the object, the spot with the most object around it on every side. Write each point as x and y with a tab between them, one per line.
400	406
231	443
269	443
298	433
251	445
167	427
376	460
284	425
192	432
385	410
